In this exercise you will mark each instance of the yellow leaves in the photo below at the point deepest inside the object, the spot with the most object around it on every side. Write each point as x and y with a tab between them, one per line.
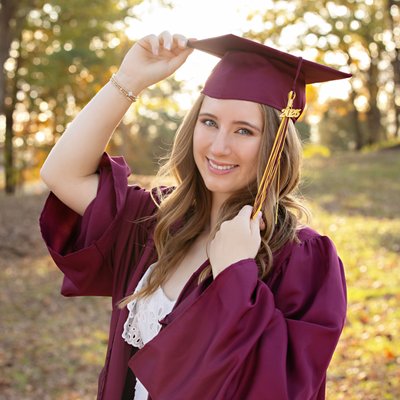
364	318
312	150
311	94
389	354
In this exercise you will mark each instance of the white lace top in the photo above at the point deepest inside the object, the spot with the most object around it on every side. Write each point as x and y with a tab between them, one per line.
142	323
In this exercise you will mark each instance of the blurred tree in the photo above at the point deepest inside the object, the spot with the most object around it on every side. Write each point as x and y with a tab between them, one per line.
354	32
336	126
146	134
394	23
54	55
7	13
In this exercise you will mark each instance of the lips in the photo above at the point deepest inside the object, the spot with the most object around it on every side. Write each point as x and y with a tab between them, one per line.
221	166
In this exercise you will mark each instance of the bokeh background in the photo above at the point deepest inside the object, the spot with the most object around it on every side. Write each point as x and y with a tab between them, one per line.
55	55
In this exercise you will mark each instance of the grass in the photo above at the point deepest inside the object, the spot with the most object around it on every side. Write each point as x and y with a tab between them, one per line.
355	200
53	348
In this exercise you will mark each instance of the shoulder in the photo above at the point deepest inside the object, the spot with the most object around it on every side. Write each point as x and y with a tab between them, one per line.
319	251
151	197
311	240
311	251
142	204
305	233
308	237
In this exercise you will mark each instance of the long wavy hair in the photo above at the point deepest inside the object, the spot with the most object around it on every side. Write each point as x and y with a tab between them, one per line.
184	212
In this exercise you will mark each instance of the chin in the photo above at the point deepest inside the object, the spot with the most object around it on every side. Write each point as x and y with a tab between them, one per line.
222	191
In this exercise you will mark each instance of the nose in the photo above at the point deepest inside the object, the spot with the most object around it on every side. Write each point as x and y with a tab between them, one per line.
221	143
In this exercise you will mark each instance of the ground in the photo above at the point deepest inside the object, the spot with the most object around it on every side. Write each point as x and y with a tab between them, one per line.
53	348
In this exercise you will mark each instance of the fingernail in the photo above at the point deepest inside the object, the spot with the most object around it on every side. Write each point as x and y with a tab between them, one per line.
182	43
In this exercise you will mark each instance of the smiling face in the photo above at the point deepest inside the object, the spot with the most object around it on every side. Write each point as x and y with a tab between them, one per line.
226	144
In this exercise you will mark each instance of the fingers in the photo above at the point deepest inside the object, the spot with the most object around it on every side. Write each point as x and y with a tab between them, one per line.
165	39
245	211
166	43
154	43
180	40
172	42
256	223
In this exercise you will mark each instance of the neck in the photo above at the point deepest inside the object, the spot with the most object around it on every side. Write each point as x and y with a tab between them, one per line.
217	201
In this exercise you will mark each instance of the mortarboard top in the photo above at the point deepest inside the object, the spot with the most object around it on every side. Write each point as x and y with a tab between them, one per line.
252	71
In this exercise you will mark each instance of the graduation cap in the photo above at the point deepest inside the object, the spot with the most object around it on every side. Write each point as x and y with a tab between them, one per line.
254	72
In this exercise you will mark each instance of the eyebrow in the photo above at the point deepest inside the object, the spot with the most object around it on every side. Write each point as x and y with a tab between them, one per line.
206	114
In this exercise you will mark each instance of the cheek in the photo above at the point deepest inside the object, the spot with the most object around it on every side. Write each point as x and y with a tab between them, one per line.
251	155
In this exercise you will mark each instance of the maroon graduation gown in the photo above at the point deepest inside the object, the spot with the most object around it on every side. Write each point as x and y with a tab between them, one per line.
235	337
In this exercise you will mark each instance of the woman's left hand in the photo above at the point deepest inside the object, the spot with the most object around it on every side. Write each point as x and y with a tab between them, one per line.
237	239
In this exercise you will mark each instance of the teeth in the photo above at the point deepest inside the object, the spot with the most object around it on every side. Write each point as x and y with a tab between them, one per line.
221	168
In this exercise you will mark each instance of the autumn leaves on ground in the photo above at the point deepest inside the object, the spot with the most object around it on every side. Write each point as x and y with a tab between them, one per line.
53	348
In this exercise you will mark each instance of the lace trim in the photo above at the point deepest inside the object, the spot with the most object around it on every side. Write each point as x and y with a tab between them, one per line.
131	332
142	323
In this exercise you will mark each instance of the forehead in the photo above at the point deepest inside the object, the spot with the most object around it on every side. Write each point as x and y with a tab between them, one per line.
240	110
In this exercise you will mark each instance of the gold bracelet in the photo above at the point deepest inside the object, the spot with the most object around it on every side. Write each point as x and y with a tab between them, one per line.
127	93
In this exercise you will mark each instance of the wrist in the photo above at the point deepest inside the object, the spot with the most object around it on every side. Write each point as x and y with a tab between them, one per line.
218	267
129	83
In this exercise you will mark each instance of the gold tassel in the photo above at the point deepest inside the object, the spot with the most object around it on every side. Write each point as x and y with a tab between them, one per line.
275	156
277	193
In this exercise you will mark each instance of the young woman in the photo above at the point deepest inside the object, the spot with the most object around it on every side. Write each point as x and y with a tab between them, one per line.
218	290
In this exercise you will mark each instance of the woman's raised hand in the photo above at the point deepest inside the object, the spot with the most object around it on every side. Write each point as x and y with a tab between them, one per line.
237	239
152	59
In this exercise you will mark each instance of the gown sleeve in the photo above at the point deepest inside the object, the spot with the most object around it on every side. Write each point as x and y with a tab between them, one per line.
81	245
239	340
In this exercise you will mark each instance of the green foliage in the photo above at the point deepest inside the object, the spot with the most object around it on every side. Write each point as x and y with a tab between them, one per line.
357	33
304	130
392	144
64	47
337	127
62	53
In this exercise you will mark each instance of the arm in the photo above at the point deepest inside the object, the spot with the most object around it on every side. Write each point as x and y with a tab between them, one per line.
70	169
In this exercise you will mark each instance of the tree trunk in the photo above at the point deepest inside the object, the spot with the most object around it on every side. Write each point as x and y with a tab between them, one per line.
374	114
358	132
10	172
395	65
396	94
7	12
359	135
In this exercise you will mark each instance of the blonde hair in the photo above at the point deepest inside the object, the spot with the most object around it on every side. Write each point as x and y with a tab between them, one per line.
183	214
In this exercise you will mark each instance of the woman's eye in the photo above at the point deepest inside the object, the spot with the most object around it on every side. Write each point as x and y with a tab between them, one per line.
244	131
209	122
